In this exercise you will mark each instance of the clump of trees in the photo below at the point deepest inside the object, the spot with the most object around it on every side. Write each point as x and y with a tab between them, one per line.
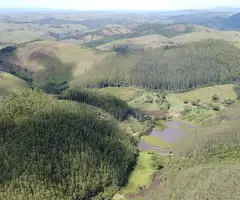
178	67
59	150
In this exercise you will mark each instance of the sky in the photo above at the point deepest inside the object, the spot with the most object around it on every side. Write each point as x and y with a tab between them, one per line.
119	4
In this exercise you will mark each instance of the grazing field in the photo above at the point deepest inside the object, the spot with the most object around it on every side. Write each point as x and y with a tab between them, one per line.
56	62
124	93
205	94
197	106
9	83
142	175
19	36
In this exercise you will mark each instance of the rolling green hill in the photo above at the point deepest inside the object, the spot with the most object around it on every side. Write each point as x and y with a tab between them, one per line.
50	62
60	150
173	67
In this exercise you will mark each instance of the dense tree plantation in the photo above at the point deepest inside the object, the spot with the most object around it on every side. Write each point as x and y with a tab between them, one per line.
174	67
115	106
58	150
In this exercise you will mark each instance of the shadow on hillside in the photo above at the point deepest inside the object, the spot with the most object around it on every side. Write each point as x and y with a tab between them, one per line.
54	71
52	149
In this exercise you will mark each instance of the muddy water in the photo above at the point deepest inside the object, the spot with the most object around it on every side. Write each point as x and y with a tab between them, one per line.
172	134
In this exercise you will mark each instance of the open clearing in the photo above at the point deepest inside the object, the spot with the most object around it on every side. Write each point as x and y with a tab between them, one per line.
124	93
52	61
9	83
142	174
203	94
83	59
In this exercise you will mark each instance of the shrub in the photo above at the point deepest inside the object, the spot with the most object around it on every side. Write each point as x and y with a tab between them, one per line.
228	102
216	108
186	110
215	98
185	102
194	103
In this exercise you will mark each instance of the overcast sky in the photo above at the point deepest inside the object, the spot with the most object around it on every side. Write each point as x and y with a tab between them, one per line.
119	4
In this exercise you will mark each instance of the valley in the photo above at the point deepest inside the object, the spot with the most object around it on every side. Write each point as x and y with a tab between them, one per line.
119	105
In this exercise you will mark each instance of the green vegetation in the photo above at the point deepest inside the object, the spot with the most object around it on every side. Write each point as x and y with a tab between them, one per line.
169	68
229	36
160	125
111	78
147	41
58	150
152	140
197	115
111	104
202	111
211	153
142	175
237	44
204	164
124	93
8	83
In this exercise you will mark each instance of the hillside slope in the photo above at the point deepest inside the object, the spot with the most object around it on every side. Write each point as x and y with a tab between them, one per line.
174	67
50	62
59	150
147	41
8	83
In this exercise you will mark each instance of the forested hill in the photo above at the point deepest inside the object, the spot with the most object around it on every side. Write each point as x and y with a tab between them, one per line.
115	106
173	67
59	150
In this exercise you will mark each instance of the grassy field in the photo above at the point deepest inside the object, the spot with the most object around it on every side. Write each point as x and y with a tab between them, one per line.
200	115
147	41
19	36
203	94
142	174
230	36
9	83
144	100
124	93
56	62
